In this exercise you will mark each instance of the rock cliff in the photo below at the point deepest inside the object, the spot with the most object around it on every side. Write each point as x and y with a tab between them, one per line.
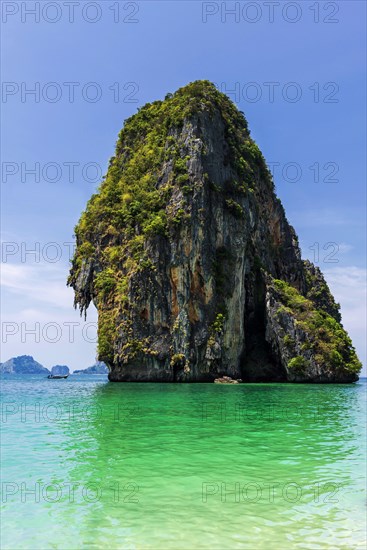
188	256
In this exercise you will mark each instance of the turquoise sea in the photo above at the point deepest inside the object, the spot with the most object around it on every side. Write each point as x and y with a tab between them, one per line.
91	464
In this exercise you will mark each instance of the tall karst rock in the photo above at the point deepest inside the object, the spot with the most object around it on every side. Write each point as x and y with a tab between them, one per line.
188	256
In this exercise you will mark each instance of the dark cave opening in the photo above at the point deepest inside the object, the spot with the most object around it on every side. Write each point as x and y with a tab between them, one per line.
258	363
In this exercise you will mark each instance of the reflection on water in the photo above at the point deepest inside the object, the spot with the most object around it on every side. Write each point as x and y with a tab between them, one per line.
182	466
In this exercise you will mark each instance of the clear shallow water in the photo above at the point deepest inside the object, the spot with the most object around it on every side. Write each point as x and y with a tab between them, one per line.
147	466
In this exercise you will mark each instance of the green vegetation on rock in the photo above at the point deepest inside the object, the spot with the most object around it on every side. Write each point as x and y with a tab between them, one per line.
329	342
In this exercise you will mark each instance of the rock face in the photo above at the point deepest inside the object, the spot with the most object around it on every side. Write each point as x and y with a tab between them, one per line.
192	265
24	364
98	368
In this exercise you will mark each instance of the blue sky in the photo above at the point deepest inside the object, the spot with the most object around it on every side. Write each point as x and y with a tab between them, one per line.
298	77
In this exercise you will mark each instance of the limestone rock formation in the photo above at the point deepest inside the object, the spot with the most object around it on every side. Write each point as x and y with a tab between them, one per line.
98	368
188	256
23	364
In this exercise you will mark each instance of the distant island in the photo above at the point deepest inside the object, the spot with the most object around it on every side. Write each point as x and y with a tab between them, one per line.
26	364
23	364
98	368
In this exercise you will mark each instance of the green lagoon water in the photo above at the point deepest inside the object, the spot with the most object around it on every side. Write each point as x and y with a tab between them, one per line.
91	464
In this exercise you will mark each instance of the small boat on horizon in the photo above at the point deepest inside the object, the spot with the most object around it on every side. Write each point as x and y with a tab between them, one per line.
58	372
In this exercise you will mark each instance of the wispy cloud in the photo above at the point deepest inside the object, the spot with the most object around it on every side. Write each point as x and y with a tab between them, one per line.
349	287
45	283
324	217
38	317
344	248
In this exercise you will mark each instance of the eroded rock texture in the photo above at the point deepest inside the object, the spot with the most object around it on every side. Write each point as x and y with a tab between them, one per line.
192	265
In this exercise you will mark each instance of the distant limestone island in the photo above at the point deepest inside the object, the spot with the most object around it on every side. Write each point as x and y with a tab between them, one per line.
98	368
25	364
